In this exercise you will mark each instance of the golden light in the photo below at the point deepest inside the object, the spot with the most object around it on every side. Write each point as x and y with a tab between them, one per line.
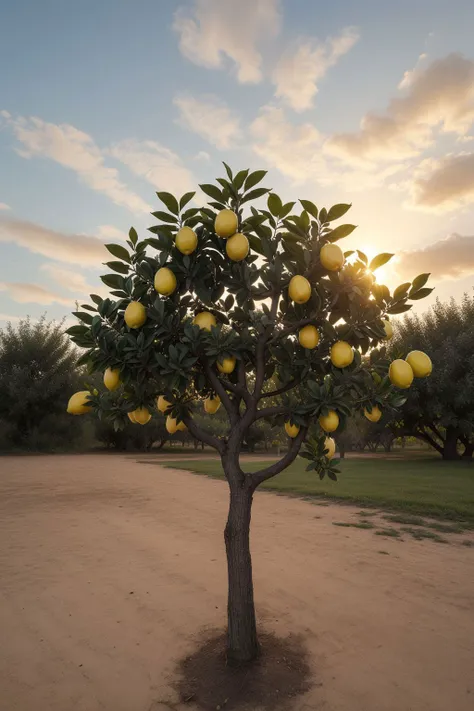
383	274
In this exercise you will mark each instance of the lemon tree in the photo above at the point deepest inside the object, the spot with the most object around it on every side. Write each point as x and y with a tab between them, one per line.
255	310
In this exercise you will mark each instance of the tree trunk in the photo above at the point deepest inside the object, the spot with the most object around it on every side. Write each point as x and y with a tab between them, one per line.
450	450
242	643
468	450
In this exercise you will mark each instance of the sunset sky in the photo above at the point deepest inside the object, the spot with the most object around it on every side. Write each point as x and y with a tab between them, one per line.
103	102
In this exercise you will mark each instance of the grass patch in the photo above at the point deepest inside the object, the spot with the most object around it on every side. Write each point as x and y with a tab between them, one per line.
405	518
367	514
421	534
362	524
389	532
468	543
416	486
383	552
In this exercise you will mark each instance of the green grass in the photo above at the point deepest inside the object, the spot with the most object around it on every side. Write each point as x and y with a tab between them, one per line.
362	524
416	486
389	532
421	534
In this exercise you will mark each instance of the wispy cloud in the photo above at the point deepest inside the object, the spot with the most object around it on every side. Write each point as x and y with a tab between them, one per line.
71	280
443	185
299	70
448	258
4	206
25	293
210	118
214	30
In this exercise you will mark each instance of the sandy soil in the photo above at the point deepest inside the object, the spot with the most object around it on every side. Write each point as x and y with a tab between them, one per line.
110	570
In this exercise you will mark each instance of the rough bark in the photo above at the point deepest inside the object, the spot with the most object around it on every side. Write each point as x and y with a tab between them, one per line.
450	450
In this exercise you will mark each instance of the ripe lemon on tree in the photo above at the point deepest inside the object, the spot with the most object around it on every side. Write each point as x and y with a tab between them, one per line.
165	281
330	446
78	403
420	364
400	374
141	415
342	354
112	378
162	404
308	337
172	425
186	240
227	365
332	257
291	430
329	422
388	328
212	404
299	289
237	247
374	415
205	320
135	314
226	223
131	417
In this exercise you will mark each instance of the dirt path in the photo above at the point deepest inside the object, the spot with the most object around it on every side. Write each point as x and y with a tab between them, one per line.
109	571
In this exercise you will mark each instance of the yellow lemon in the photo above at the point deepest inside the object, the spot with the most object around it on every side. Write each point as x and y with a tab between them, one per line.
186	240
308	337
400	374
165	281
212	404
299	289
162	404
131	417
329	422
135	314
332	257
171	425
112	378
374	415
237	247
181	427
226	223
291	430
330	445
388	328
141	415
205	320
226	365
341	354
420	364
77	404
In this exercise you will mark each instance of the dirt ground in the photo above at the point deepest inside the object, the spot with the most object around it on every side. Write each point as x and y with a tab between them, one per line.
110	571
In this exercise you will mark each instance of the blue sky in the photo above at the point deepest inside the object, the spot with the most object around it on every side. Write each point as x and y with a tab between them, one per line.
102	103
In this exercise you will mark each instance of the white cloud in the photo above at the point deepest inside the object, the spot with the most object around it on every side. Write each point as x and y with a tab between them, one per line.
439	96
4	206
452	257
445	184
203	156
298	72
107	232
25	293
75	150
214	30
68	279
157	164
8	318
210	118
75	249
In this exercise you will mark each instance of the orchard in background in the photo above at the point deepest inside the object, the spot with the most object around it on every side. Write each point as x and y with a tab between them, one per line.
258	311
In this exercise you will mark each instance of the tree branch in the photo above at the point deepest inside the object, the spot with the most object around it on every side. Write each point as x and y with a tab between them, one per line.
268	411
290	329
260	354
230	407
202	435
274	469
273	393
424	435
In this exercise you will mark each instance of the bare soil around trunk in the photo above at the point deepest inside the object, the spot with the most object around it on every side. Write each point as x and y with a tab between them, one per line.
113	582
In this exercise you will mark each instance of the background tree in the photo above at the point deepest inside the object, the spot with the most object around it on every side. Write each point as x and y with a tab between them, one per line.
225	301
440	409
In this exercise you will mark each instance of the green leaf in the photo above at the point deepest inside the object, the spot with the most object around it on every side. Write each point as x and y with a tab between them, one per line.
96	299
227	170
213	191
77	330
255	244
254	178
274	204
340	232
310	207
185	199
399	309
86	318
419	281
170	201
380	260
119	267
401	291
132	234
338	211
287	208
165	216
254	194
420	294
362	256
118	251
113	281
238	181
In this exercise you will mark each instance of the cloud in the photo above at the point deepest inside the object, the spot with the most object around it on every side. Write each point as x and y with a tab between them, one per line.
8	318
108	232
202	156
445	184
77	151
210	118
68	279
33	294
4	206
214	30
438	96
157	164
299	70
448	258
75	249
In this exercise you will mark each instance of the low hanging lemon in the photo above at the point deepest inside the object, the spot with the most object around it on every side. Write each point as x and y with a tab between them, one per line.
420	363
331	257
400	374
341	354
291	430
162	404
172	425
237	247
226	223
165	281
212	404
299	289
112	378
374	415
186	240
135	314
308	337
131	417
205	320
329	422
142	415
388	328
226	365
330	445
78	403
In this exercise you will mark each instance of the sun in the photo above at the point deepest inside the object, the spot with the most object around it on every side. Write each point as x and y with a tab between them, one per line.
384	274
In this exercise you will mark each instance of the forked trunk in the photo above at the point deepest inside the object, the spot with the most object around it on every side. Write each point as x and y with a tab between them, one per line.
242	643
